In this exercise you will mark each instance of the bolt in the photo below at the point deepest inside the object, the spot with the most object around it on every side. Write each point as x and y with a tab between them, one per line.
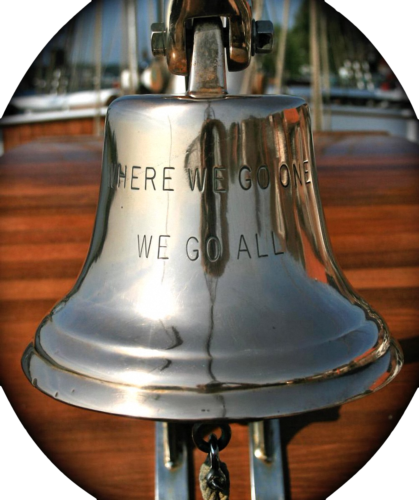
158	39
262	37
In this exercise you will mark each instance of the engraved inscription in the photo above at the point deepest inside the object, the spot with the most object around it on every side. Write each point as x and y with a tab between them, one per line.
218	179
134	178
150	175
263	177
122	175
213	249
147	179
260	255
244	178
138	178
161	253
243	247
302	173
246	247
283	177
197	178
144	244
191	248
306	172
167	178
144	247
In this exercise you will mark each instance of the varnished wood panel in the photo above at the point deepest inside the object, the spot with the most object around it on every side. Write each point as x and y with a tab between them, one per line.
22	133
48	193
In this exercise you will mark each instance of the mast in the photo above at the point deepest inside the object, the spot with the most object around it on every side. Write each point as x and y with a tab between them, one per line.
129	77
316	91
98	64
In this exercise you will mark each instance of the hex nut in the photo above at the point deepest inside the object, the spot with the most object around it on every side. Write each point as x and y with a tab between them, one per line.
263	37
158	39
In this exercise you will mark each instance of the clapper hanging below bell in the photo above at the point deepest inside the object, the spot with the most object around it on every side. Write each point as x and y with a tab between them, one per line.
210	290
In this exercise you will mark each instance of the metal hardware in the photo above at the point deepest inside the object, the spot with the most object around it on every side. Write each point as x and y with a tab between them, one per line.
208	74
266	463
201	444
213	476
262	37
172	462
158	39
243	37
180	13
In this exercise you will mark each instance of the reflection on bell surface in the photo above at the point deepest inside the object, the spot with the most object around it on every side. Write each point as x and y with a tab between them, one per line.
210	290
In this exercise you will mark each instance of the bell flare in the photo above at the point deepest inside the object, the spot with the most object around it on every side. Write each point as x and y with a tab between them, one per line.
215	403
210	290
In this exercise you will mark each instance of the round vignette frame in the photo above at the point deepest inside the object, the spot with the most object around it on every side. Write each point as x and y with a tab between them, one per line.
395	445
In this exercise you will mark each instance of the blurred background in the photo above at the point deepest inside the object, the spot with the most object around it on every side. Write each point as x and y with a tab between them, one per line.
104	52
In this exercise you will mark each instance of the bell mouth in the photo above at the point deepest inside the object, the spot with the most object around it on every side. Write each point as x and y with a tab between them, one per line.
240	402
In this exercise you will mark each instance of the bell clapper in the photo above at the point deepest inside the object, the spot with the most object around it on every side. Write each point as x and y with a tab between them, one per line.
214	478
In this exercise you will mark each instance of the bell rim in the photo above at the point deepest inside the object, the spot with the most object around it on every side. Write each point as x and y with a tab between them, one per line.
231	404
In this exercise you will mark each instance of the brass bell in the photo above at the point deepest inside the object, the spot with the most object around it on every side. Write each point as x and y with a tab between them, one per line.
210	291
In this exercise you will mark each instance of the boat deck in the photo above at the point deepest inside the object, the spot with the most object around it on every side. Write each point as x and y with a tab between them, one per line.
48	193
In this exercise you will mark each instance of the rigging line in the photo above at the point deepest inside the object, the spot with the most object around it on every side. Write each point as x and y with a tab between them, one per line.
316	93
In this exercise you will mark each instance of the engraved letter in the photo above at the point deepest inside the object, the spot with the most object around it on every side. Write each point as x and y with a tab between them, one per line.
276	251
244	248
216	180
133	176
194	251
306	172
216	254
197	179
167	178
162	246
144	246
261	169
257	246
297	174
150	178
247	180
284	175
121	175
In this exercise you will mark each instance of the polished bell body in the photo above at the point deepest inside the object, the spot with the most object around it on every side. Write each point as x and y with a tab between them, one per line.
210	290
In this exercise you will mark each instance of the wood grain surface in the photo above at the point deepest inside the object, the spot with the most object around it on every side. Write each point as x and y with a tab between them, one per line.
48	192
21	133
